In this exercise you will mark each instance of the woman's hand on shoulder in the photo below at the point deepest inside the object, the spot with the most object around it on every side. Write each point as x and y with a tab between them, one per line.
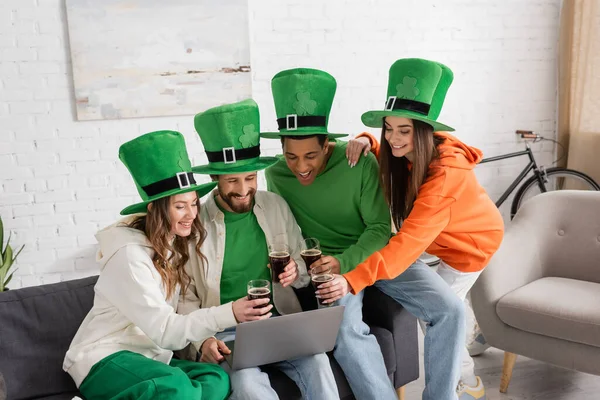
355	148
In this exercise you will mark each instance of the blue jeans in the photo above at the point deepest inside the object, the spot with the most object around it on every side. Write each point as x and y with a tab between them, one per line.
312	374
427	296
359	354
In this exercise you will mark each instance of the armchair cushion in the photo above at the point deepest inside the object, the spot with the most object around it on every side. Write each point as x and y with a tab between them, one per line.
557	307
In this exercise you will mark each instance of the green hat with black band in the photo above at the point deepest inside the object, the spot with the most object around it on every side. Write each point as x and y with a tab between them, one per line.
231	137
160	167
303	98
416	90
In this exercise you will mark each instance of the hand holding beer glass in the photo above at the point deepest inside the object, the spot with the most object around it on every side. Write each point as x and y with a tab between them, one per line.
310	252
259	289
318	279
279	257
256	305
332	290
315	261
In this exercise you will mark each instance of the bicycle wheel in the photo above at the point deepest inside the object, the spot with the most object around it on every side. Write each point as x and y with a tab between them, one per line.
556	179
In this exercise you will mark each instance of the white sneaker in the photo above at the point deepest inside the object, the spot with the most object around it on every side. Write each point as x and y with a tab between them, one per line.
476	343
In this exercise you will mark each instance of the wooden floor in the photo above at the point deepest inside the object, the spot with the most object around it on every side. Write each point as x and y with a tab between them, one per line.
531	380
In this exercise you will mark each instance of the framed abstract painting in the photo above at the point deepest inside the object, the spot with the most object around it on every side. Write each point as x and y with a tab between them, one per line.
157	58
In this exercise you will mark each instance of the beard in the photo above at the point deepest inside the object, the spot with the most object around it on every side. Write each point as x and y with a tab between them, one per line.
228	198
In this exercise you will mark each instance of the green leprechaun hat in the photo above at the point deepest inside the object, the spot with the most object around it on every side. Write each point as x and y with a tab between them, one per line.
416	89
303	99
231	136
160	167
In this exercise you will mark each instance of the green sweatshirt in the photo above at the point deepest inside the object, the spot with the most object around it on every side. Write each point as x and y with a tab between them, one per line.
246	254
344	207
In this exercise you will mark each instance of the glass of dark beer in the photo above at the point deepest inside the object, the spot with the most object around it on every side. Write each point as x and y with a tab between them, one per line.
279	257
259	289
310	252
319	279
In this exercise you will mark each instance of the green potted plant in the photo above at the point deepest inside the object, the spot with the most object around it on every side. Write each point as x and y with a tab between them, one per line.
7	260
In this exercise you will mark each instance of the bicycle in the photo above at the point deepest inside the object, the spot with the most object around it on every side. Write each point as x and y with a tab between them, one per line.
547	179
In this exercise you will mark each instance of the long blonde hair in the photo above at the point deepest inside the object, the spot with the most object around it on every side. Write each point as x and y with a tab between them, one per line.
400	183
156	224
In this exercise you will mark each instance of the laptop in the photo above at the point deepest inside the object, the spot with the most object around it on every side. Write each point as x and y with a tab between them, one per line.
284	338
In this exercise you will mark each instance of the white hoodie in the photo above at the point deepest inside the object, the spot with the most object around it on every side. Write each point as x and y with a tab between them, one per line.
130	310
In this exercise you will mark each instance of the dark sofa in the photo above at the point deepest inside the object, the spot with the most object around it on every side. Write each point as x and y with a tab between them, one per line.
38	323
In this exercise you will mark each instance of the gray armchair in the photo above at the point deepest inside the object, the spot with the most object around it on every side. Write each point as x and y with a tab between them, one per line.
540	294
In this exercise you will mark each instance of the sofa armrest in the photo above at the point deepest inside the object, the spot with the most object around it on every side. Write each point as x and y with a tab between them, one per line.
382	311
2	387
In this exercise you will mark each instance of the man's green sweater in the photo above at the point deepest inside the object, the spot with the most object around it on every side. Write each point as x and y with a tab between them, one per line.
344	207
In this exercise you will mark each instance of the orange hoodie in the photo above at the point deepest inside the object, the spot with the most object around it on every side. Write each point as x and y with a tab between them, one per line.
452	218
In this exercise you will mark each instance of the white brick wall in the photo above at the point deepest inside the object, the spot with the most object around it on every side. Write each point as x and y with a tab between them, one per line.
61	179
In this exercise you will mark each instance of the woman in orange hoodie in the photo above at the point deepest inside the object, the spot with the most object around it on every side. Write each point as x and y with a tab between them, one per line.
436	203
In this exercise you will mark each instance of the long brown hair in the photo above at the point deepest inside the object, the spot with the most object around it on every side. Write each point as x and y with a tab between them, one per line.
401	184
156	224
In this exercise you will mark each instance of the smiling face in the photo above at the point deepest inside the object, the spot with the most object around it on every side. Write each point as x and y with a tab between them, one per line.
399	133
183	209
306	157
236	191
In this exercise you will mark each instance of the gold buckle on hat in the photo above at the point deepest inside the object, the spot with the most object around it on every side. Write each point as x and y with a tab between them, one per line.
226	159
181	175
294	119
389	104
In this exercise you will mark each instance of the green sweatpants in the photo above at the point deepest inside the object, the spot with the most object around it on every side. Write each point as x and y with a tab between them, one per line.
128	375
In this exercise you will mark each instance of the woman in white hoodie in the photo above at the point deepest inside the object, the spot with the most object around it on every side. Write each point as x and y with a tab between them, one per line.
124	347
